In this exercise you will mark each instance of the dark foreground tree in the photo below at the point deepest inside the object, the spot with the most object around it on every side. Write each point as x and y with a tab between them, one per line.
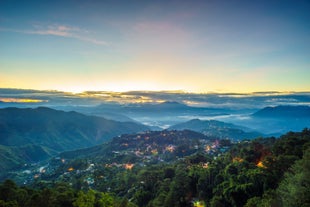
294	190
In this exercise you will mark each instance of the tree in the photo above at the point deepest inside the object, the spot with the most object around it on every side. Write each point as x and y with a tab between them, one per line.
104	200
45	197
294	190
217	201
162	193
8	190
142	197
8	204
85	199
180	189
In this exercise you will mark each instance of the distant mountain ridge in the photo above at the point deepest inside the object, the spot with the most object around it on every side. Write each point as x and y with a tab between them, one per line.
285	111
217	129
172	105
42	131
167	106
58	130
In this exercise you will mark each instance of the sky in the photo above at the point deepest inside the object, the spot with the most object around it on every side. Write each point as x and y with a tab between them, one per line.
192	46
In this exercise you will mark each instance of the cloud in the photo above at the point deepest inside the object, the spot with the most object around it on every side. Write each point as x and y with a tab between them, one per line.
57	30
61	31
215	100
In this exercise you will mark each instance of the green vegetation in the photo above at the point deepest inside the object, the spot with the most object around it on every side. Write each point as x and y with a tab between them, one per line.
31	135
58	130
61	195
15	157
258	173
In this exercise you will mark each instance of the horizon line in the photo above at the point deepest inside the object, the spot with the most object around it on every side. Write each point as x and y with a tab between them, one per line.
180	91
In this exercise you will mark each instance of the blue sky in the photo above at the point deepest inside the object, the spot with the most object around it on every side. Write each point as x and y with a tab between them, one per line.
195	46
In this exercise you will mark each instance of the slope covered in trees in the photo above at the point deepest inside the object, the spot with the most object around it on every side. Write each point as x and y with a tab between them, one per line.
261	172
14	157
31	135
58	130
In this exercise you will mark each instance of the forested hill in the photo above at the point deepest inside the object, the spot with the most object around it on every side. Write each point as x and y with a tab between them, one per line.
58	130
30	135
262	172
150	143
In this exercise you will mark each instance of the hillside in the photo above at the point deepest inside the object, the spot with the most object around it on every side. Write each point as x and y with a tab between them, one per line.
31	135
217	129
284	112
149	143
16	157
260	172
145	148
58	130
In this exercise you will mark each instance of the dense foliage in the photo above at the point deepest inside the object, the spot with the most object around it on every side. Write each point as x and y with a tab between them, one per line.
61	195
262	172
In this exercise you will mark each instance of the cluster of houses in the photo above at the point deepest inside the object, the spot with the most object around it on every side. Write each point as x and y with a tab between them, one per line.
143	149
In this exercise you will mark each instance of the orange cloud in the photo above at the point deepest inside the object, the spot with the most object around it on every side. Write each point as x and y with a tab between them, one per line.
21	100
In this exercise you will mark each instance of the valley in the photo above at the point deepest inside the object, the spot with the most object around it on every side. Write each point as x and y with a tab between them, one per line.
176	168
153	154
166	103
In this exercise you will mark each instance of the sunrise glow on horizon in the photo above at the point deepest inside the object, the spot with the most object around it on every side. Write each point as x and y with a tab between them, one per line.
191	46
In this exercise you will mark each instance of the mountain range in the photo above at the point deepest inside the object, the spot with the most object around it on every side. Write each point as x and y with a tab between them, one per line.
34	134
58	130
52	131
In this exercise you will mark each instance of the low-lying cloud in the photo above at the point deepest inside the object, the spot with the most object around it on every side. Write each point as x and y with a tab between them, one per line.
215	100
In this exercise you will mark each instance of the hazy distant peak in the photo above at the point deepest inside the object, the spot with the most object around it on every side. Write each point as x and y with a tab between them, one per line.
172	104
284	111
